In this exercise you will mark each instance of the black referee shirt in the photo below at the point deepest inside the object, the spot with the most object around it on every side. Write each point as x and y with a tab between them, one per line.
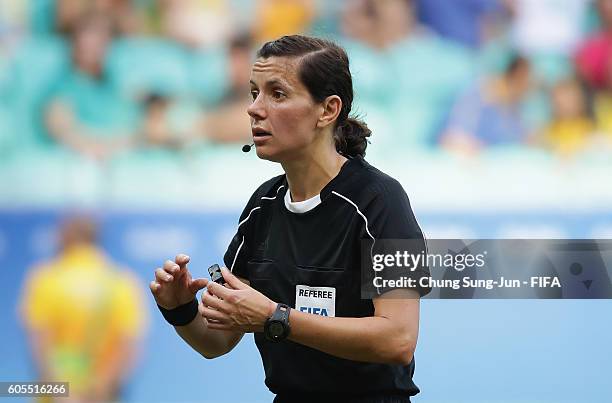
311	262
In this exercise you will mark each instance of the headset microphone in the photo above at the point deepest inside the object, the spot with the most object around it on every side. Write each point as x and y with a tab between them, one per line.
247	147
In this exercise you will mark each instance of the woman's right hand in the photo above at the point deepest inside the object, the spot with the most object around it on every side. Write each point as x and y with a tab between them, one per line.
173	285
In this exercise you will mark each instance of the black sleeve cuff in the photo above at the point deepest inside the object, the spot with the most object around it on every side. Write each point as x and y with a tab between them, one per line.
181	315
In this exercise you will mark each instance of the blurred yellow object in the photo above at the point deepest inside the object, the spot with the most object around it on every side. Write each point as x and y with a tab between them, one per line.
603	112
85	308
568	136
282	17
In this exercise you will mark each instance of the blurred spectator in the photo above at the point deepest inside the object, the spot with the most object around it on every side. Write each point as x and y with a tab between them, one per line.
547	27
464	21
379	24
156	125
571	127
401	70
84	317
229	122
603	112
197	23
169	123
85	112
358	21
14	28
547	32
13	24
175	82
240	60
602	105
595	54
276	18
488	113
69	13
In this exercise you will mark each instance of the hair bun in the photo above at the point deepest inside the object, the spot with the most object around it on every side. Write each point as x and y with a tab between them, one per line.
351	137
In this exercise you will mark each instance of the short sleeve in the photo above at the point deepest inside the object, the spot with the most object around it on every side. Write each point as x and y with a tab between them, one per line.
237	253
393	243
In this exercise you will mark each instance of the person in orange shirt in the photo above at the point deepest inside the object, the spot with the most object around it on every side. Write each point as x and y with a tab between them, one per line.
84	316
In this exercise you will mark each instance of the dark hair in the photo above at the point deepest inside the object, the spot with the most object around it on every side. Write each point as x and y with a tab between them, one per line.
78	229
324	71
515	64
91	19
241	41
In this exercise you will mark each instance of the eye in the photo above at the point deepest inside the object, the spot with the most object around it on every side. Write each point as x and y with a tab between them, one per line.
276	94
254	94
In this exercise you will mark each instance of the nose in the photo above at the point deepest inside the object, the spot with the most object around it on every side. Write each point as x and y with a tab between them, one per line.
257	110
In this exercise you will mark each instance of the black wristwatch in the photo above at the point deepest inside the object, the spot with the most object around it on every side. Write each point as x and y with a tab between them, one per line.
277	326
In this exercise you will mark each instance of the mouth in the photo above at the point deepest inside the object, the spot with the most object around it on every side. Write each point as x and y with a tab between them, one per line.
259	132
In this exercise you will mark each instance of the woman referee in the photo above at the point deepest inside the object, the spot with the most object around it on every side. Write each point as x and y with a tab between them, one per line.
293	274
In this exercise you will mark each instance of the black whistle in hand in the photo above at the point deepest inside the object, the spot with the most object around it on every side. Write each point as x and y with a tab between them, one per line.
215	274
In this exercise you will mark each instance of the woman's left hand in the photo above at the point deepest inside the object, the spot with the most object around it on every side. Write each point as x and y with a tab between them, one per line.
238	307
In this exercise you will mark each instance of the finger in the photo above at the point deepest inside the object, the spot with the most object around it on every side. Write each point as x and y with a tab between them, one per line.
154	286
210	301
206	293
219	290
201	312
232	280
215	316
214	302
181	259
171	267
197	284
163	276
200	307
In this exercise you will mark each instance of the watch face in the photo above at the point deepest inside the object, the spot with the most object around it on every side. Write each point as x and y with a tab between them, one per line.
276	329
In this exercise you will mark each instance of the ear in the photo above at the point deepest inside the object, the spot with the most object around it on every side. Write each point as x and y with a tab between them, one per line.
331	107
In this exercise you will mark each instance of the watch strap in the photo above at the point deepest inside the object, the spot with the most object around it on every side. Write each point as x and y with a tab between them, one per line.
281	313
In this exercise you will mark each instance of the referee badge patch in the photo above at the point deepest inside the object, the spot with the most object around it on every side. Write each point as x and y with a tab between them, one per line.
316	300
